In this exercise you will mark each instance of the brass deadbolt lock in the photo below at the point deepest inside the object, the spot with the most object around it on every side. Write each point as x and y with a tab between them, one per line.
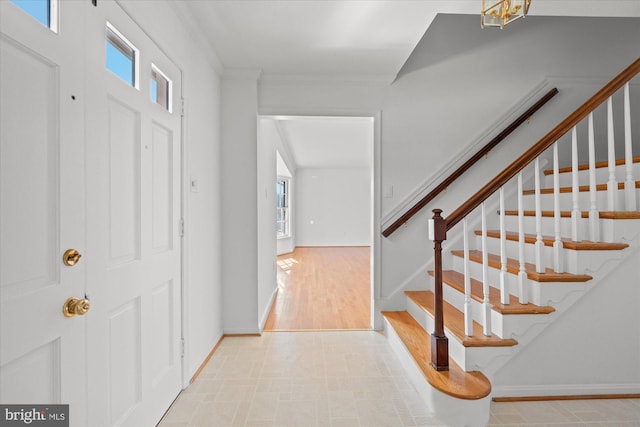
75	306
71	257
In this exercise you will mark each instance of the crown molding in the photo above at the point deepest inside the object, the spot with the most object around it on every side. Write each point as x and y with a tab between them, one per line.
318	79
241	74
193	28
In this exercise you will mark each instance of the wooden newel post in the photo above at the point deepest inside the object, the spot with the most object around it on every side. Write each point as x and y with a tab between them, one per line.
439	341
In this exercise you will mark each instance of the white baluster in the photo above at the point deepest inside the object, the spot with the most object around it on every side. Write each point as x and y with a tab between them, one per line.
539	246
486	305
468	318
522	274
504	292
629	184
575	187
594	216
557	242
612	185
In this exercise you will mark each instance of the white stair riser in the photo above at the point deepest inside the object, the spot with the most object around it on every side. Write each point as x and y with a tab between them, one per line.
468	358
456	298
538	293
602	175
548	226
575	262
452	411
456	349
505	326
566	201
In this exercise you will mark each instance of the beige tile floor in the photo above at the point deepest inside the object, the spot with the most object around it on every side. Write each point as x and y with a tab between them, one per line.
342	379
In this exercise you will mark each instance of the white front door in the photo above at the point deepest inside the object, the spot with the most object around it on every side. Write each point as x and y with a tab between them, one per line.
90	162
133	214
42	352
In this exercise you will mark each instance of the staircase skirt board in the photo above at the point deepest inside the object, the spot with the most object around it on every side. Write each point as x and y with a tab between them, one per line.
455	397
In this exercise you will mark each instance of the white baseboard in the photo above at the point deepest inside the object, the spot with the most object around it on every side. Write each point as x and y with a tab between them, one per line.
564	390
265	314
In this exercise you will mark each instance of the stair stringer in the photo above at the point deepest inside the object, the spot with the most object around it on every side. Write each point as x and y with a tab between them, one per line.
584	349
492	366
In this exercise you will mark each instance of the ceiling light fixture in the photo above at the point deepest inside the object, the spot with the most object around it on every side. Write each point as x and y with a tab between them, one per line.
498	13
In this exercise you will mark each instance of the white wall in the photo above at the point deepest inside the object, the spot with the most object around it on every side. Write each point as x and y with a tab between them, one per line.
593	348
266	195
239	201
333	207
202	287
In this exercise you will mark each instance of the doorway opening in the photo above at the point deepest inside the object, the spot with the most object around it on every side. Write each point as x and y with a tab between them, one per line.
321	171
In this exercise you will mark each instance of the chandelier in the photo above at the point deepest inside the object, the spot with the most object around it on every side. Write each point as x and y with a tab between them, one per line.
498	13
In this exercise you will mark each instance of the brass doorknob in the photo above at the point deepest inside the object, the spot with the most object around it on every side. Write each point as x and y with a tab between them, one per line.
73	306
71	257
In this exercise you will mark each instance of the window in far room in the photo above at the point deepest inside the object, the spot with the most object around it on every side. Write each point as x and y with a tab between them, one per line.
282	207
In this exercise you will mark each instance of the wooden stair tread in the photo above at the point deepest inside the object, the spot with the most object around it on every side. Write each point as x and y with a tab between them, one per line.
582	188
456	280
567	243
454	382
582	167
454	323
513	267
583	214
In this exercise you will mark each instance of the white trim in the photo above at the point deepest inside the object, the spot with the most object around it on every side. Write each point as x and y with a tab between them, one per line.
265	315
350	79
564	390
241	74
193	29
54	16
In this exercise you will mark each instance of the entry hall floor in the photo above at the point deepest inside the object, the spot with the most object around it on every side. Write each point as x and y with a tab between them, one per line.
343	379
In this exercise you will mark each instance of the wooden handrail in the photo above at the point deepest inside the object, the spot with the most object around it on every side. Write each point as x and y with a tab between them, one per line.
565	126
477	156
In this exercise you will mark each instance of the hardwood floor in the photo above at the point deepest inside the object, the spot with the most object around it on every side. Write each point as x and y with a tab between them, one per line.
322	288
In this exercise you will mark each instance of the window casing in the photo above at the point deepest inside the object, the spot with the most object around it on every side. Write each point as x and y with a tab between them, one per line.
282	208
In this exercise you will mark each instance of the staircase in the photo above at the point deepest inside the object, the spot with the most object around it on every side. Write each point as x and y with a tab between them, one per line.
529	252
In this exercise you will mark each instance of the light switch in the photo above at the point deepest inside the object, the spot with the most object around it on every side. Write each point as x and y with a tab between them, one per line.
194	184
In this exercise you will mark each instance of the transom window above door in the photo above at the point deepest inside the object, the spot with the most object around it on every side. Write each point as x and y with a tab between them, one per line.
43	11
122	56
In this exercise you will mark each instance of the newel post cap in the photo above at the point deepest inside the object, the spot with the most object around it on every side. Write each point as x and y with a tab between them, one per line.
437	227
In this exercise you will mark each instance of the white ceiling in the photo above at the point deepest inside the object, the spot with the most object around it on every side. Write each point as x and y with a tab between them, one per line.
328	142
333	39
364	38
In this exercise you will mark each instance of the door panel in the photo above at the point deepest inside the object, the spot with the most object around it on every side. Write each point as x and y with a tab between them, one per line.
133	209
38	142
42	352
124	183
